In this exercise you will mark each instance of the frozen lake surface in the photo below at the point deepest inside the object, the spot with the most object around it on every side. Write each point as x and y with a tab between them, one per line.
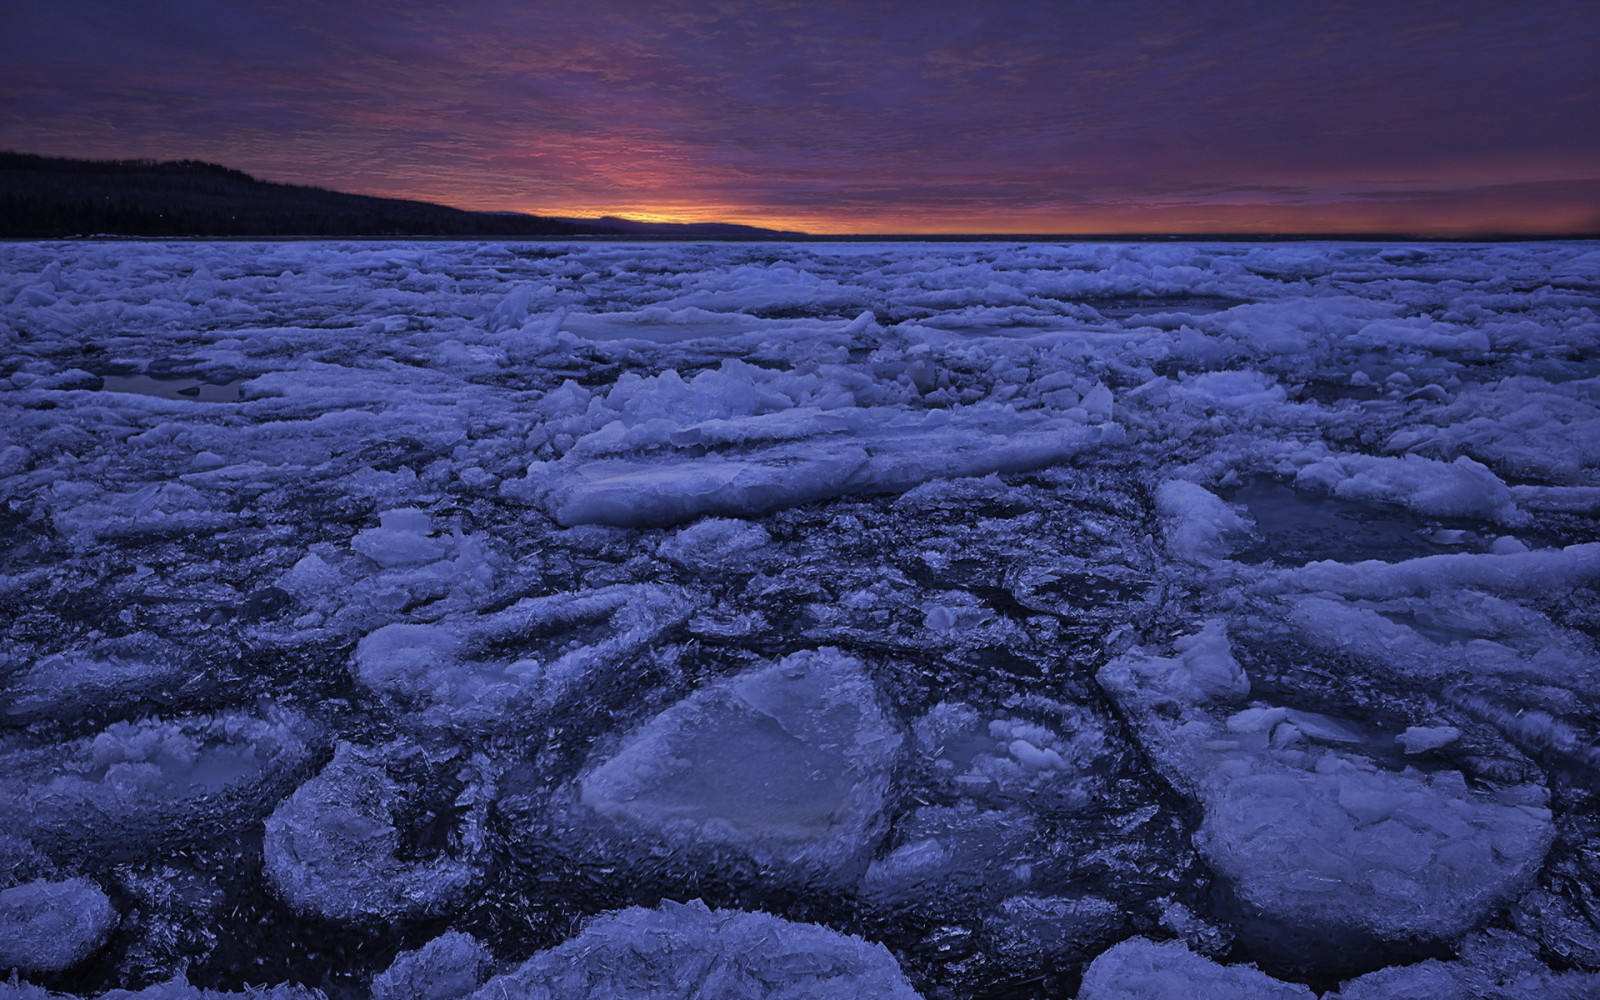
439	620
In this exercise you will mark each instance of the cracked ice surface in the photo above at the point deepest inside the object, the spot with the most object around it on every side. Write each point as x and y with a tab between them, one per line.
955	620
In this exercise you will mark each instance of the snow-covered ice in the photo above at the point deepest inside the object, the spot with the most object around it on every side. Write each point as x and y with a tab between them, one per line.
433	619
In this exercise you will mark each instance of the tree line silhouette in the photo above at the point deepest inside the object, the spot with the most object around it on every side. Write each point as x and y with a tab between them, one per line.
46	197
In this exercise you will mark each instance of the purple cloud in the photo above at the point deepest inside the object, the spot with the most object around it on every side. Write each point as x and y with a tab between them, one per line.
1022	116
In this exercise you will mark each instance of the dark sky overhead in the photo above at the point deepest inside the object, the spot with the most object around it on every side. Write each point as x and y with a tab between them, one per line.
973	116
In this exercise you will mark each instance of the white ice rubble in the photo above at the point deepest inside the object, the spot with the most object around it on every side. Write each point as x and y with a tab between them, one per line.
983	842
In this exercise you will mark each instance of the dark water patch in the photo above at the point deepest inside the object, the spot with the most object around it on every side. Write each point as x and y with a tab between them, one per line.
1296	528
1193	305
1330	392
174	387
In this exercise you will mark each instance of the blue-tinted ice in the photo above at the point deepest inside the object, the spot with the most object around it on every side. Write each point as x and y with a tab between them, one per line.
427	621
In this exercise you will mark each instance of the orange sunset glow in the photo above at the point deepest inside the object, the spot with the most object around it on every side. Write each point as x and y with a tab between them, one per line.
1016	117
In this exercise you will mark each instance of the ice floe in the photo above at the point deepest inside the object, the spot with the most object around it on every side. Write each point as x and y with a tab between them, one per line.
384	612
333	847
687	949
1140	969
51	926
1316	837
787	764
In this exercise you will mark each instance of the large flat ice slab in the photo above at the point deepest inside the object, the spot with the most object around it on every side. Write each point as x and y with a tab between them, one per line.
786	764
1319	838
750	465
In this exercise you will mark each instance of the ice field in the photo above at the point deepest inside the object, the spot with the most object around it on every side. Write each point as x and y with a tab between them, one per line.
429	621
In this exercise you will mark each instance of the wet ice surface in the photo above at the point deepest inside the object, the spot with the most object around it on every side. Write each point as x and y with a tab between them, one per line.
441	620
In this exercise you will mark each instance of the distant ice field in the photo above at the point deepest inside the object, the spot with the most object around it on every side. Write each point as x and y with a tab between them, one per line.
428	620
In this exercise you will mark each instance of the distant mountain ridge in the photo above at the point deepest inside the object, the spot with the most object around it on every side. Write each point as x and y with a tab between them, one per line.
51	197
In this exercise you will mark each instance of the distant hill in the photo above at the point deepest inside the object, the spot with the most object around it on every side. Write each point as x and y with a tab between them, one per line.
46	196
712	230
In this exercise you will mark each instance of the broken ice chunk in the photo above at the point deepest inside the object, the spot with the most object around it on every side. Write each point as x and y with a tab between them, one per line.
446	968
1463	488
788	764
640	495
961	856
68	684
1325	728
1141	969
410	661
1421	739
1204	670
751	465
50	926
1319	842
401	539
1394	855
442	674
1493	965
716	544
686	949
135	784
1197	522
332	848
1030	927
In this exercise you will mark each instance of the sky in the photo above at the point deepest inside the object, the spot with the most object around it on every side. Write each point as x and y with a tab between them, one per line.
981	116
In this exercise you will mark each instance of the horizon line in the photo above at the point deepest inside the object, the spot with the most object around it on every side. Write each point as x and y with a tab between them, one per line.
780	234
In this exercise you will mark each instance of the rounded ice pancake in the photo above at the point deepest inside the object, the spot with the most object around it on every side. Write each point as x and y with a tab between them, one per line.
687	949
50	926
787	765
147	785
